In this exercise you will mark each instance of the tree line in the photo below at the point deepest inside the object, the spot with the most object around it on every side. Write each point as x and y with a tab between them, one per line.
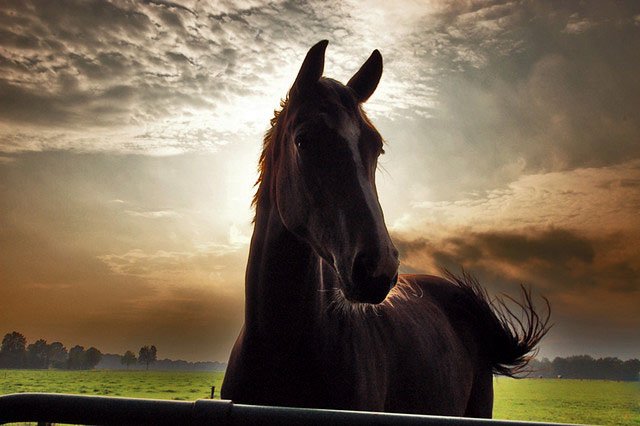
15	353
586	367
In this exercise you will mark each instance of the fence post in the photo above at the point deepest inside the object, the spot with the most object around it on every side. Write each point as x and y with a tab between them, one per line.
213	391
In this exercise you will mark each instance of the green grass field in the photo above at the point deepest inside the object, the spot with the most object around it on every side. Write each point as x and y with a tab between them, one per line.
570	401
180	385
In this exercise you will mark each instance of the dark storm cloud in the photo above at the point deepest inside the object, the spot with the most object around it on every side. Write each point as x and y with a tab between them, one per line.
495	70
65	59
592	283
21	41
550	246
98	43
519	87
554	259
81	48
519	31
25	106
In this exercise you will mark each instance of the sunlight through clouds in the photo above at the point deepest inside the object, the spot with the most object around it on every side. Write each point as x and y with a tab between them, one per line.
130	134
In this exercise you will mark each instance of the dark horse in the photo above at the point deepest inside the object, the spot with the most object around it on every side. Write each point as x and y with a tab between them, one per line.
328	322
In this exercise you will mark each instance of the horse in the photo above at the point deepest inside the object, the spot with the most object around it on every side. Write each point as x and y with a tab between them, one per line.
328	322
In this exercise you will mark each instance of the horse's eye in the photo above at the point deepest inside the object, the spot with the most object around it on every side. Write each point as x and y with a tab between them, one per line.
300	141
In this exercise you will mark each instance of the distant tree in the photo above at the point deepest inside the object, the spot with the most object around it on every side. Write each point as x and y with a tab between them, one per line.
38	354
13	350
128	359
538	368
92	357
585	367
57	355
76	359
631	369
147	355
560	366
546	368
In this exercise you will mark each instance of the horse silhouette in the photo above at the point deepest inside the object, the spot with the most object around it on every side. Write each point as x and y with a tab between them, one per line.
328	321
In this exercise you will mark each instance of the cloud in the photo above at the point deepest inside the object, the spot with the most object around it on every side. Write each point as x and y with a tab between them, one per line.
117	69
577	25
206	261
550	246
546	101
158	214
556	218
160	76
553	259
588	199
569	269
570	235
151	76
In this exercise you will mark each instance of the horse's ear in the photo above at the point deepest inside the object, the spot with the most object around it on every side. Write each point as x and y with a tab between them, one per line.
365	81
311	69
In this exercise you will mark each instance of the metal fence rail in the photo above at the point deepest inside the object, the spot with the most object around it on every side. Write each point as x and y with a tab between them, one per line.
98	410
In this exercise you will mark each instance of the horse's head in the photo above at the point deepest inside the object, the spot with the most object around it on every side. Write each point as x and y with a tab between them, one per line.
325	165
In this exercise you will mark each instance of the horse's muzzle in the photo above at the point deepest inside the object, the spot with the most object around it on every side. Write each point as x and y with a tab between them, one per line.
366	288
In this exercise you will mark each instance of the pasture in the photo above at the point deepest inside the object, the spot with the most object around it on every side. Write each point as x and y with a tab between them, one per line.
571	401
177	385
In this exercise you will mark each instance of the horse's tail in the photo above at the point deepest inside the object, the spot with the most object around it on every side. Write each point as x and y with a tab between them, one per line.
507	340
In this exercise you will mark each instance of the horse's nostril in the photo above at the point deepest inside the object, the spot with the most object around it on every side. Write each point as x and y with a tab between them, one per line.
365	286
366	261
363	263
361	268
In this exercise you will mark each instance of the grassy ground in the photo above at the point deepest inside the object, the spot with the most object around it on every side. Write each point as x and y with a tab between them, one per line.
181	385
570	401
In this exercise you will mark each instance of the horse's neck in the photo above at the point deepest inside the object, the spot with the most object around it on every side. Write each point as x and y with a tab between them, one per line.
283	281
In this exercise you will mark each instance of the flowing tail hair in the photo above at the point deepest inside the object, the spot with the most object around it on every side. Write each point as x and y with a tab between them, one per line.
507	340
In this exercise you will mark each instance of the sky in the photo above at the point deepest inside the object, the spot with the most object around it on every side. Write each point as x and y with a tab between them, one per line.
130	133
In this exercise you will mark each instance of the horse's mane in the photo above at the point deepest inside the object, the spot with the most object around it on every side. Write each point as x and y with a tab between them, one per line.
267	156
